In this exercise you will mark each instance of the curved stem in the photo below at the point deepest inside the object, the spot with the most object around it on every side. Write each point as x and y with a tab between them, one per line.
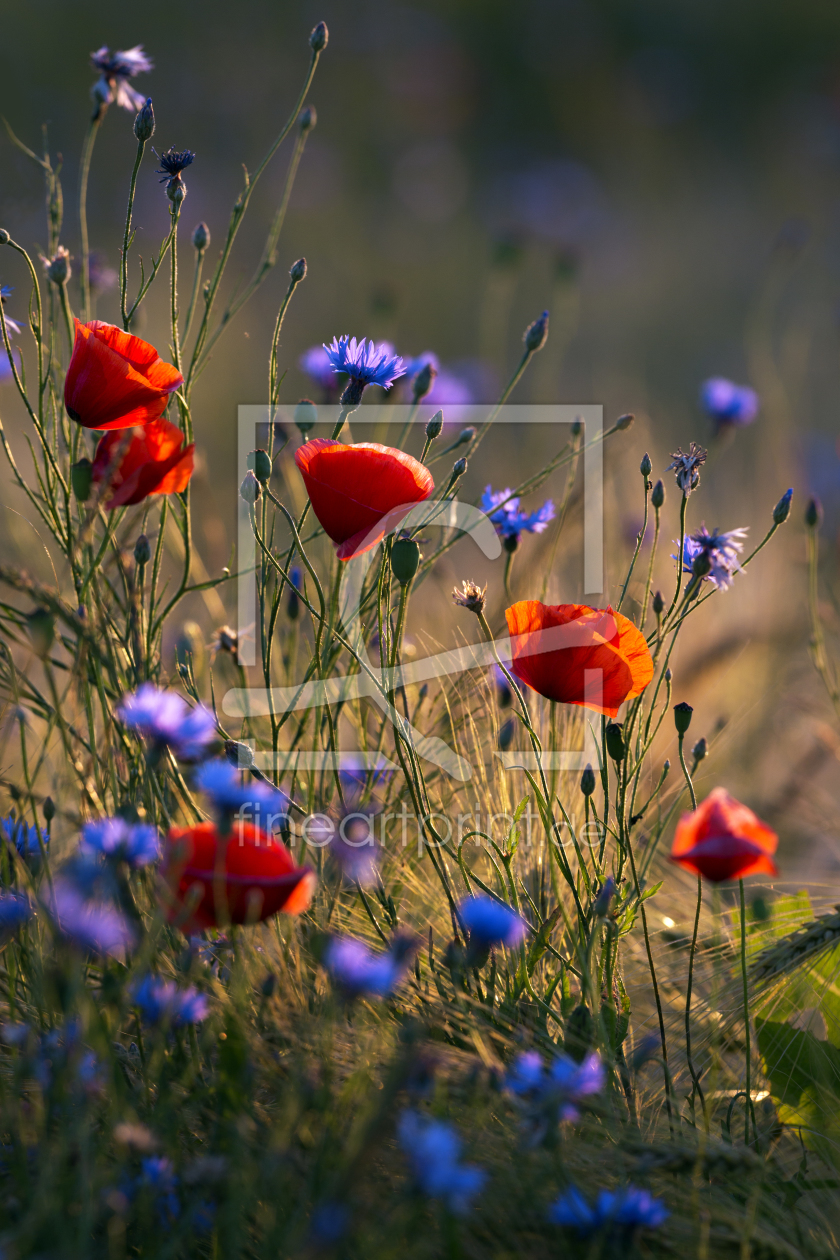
748	1052
84	173
141	145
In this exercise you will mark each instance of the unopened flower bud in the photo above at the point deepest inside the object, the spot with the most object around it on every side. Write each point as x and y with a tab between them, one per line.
306	414
782	509
250	488
142	550
458	469
657	494
405	559
319	37
238	754
81	476
668	674
260	464
813	513
577	427
433	428
700	749
4	237
536	334
423	381
646	467
307	118
587	781
506	734
144	123
41	626
510	543
176	191
48	809
602	903
658	603
625	422
682	717
702	564
615	740
201	237
58	267
298	271
666	767
269	985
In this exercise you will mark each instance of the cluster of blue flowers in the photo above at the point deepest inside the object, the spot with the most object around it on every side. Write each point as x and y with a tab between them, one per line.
162	1001
502	506
434	1151
561	1085
623	1211
490	922
221	782
357	971
24	838
166	720
138	844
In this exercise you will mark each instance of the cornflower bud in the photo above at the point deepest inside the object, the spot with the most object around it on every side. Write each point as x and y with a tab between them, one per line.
646	467
201	237
587	781
58	267
307	118
319	37
813	513
536	334
48	809
624	422
144	123
298	271
668	674
658	603
142	550
423	381
682	717
782	509
306	414
657	494
433	428
4	237
458	469
250	488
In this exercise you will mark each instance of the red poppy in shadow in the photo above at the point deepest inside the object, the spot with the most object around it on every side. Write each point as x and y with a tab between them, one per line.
575	654
115	380
243	877
143	461
360	492
723	839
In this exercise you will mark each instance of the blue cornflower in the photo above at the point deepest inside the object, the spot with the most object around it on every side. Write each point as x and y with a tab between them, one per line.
489	922
509	521
722	551
161	1001
12	326
365	363
624	1210
94	925
222	783
562	1084
24	838
138	844
116	69
15	910
434	1150
728	403
357	970
317	364
573	1211
173	162
167	720
158	1175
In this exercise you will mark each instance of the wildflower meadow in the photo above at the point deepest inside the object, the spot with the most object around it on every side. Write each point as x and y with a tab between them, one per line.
344	913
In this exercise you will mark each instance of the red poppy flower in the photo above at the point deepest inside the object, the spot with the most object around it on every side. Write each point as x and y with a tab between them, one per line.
144	461
360	492
114	380
255	879
578	655
723	839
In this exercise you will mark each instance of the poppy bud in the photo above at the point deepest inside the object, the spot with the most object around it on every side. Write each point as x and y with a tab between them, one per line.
587	781
144	123
615	740
658	603
657	496
307	118
297	271
506	733
423	381
813	513
318	38
41	626
4	237
142	550
782	509
646	467
306	414
405	559
48	808
668	674
699	750
602	903
81	475
682	717
250	488
459	468
434	426
201	237
260	464
702	564
536	334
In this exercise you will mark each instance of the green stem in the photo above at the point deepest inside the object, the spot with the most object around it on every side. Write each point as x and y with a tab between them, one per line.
141	145
748	1051
84	173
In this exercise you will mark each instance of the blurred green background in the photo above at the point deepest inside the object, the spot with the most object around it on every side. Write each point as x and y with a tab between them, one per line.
664	177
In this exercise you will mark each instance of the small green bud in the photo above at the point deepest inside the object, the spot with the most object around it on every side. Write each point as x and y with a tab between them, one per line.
700	749
405	559
297	271
201	237
813	513
144	123
48	809
306	415
260	464
41	626
587	781
433	428
423	381
666	767
81	477
577	427
782	509
176	191
536	334
646	467
511	543
250	488
625	422
319	37
682	717
142	550
615	740
657	494
658	603
702	564
307	118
